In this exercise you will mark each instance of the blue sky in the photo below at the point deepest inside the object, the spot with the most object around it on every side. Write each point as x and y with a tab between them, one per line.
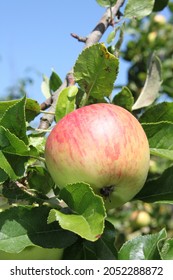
35	37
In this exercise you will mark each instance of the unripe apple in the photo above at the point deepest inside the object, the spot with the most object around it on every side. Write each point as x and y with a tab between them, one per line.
103	145
152	36
140	218
33	253
143	219
160	19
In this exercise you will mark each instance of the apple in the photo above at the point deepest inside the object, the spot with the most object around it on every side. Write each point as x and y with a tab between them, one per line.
140	218
33	253
152	36
143	219
160	19
103	145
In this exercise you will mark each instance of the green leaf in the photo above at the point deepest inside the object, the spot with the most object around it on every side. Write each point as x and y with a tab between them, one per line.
167	250
102	249
4	105
81	98
152	84
120	40
76	251
111	36
32	109
16	192
106	3
88	215
160	5
159	189
66	102
3	176
158	113
124	99
55	81
96	70
13	155
38	142
11	144
45	87
6	167
21	227
157	122
50	84
160	138
14	120
17	163
142	247
39	179
138	8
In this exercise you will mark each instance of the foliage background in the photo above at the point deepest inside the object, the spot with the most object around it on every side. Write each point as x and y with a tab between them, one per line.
157	36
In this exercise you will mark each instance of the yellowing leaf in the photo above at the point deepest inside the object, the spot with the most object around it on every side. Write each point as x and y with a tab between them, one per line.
96	70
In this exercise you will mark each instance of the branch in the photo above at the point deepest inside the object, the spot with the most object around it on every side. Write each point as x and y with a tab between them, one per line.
91	39
79	38
103	24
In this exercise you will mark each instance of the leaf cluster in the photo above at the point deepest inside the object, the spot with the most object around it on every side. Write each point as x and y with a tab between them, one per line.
34	212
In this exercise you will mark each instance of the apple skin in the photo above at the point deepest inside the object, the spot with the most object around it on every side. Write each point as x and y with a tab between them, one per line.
103	145
33	253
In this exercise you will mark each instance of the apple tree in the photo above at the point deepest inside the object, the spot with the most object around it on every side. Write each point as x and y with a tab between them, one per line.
50	210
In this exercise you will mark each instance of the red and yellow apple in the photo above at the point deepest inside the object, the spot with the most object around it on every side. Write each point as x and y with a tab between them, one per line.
103	145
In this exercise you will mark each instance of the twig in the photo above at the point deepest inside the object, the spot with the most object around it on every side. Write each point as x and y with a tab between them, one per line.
79	38
70	79
46	104
91	39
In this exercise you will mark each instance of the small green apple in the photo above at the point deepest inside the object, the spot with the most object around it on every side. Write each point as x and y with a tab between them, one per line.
33	253
103	145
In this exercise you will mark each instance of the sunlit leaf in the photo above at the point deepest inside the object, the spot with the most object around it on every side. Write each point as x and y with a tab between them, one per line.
11	144
15	121
142	247
160	137
106	3
162	112
66	102
111	36
138	8
152	84
21	227
4	105
167	250
88	213
96	70
45	87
